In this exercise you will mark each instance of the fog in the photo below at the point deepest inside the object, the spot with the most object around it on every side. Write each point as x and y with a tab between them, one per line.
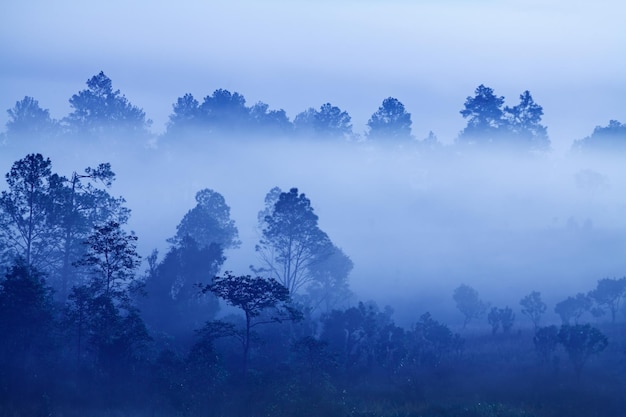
415	223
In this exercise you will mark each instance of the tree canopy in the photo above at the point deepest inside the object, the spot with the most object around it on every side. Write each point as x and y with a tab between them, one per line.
489	124
101	112
292	244
391	121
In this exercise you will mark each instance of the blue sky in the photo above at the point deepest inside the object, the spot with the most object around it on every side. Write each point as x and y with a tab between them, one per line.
430	55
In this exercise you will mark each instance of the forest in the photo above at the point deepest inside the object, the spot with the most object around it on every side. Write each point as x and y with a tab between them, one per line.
94	324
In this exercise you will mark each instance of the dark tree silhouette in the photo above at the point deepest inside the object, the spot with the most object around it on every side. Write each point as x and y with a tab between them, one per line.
111	261
269	122
329	122
329	288
224	112
28	121
573	308
253	296
432	341
580	342
517	127
208	222
485	116
501	317
546	340
27	329
604	139
533	307
391	121
25	209
608	294
468	303
524	124
101	112
185	117
79	206
292	244
172	303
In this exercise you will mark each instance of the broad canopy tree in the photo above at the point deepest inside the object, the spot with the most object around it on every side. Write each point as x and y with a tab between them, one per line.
292	246
488	123
391	121
174	305
329	122
44	218
101	112
573	308
608	294
468	303
28	121
611	137
224	113
253	295
208	222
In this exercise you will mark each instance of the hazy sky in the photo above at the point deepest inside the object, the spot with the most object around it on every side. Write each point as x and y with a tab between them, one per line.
294	54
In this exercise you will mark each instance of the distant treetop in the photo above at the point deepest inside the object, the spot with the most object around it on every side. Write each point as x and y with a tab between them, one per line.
390	121
608	138
101	112
488	124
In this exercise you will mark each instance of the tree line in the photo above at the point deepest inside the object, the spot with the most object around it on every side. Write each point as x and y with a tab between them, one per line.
102	112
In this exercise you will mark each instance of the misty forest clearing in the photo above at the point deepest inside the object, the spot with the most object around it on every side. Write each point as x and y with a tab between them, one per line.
242	263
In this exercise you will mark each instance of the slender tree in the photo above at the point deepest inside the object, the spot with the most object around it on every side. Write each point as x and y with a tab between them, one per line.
25	209
292	244
111	260
253	295
533	307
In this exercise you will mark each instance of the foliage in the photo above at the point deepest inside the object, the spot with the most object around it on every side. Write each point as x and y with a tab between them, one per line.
111	259
28	348
485	116
573	308
26	208
524	123
253	296
468	303
491	124
533	307
501	317
28	121
391	121
26	313
208	223
609	293
604	139
292	245
433	341
223	110
580	342
329	122
79	205
361	337
545	341
224	113
329	288
45	218
101	112
173	304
